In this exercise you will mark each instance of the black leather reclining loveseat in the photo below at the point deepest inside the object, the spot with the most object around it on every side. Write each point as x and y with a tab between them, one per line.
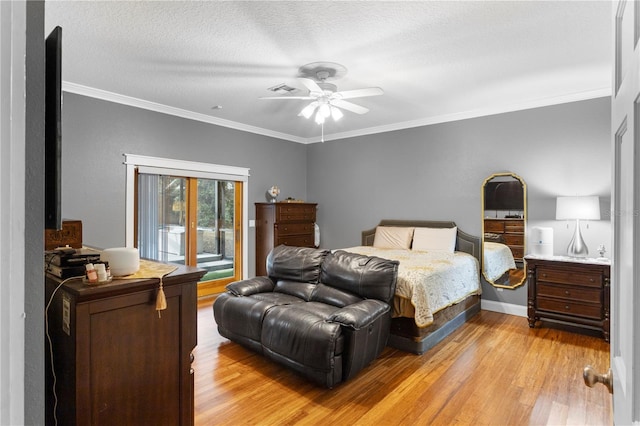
325	315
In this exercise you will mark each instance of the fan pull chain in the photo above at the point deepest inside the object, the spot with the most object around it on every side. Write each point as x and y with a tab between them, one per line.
322	134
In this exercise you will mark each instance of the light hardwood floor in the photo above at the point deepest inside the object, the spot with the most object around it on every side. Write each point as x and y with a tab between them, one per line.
494	370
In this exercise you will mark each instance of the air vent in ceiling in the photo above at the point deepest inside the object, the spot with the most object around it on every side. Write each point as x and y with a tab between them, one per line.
282	88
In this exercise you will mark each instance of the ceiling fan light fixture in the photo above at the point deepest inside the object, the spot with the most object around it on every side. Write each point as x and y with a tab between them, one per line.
336	113
327	101
325	110
307	111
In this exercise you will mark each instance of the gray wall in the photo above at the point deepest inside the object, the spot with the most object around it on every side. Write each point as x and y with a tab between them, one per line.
436	172
97	133
431	172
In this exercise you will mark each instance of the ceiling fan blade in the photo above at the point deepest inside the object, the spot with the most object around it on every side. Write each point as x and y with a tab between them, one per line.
308	110
311	85
349	106
358	93
306	98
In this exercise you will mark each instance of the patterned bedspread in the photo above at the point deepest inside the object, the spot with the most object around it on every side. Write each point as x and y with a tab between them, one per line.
431	280
498	259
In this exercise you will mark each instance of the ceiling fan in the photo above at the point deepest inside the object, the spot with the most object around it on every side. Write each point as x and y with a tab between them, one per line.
326	100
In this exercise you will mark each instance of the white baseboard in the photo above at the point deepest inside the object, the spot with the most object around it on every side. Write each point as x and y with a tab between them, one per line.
504	308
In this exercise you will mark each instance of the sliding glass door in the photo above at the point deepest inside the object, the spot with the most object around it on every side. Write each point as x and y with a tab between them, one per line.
192	221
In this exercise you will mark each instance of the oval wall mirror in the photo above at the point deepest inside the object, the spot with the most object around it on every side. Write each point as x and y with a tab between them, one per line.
504	219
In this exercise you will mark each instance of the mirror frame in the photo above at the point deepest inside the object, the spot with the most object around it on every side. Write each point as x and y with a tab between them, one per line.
521	262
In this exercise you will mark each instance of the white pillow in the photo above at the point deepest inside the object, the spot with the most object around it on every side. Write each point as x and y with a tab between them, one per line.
443	239
393	237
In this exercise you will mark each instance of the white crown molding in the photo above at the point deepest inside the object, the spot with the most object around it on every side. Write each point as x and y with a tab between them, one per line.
178	112
153	106
537	103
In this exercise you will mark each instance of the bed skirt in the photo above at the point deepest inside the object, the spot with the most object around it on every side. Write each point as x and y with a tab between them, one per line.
407	336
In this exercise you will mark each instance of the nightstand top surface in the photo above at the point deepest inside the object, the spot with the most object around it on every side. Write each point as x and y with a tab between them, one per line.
589	260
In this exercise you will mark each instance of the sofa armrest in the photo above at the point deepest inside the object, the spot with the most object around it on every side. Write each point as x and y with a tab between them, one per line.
360	314
251	286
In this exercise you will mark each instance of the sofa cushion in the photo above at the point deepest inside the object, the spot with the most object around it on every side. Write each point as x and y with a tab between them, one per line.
295	288
245	315
359	315
295	263
250	286
334	296
367	276
301	333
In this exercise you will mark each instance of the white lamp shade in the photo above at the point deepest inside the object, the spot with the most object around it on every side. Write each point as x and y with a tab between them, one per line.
587	208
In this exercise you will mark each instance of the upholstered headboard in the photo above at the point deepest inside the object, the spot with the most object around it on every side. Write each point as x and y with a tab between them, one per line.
464	242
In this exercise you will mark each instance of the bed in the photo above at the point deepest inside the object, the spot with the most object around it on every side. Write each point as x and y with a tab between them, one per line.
432	299
498	260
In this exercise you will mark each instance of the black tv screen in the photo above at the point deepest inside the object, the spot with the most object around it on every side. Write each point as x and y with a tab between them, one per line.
506	195
53	130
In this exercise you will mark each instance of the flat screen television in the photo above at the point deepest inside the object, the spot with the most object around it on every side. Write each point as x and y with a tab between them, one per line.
503	195
53	131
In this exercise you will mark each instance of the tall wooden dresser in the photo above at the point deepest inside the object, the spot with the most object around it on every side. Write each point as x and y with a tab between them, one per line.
512	232
115	360
291	224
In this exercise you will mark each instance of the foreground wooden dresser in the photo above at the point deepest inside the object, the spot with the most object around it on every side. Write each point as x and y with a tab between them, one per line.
115	361
570	290
291	224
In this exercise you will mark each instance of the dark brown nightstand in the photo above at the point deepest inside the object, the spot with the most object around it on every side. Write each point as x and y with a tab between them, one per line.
572	290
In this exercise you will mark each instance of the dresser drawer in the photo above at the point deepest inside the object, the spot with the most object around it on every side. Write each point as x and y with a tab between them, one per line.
295	240
570	308
285	228
494	226
580	294
514	226
566	276
514	239
517	251
293	212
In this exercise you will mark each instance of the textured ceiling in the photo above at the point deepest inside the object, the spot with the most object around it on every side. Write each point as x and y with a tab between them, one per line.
436	61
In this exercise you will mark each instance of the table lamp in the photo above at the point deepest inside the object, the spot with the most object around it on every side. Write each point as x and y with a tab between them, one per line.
577	208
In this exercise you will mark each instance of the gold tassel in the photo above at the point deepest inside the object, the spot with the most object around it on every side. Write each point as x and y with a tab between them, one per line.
161	300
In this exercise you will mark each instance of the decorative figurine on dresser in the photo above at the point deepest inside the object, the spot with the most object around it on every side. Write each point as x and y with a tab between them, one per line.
288	223
569	289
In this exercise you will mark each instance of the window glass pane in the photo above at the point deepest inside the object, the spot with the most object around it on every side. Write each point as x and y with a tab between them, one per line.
215	228
162	218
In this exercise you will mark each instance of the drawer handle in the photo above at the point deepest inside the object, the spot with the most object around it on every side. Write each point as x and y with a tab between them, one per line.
567	292
592	280
544	275
567	307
